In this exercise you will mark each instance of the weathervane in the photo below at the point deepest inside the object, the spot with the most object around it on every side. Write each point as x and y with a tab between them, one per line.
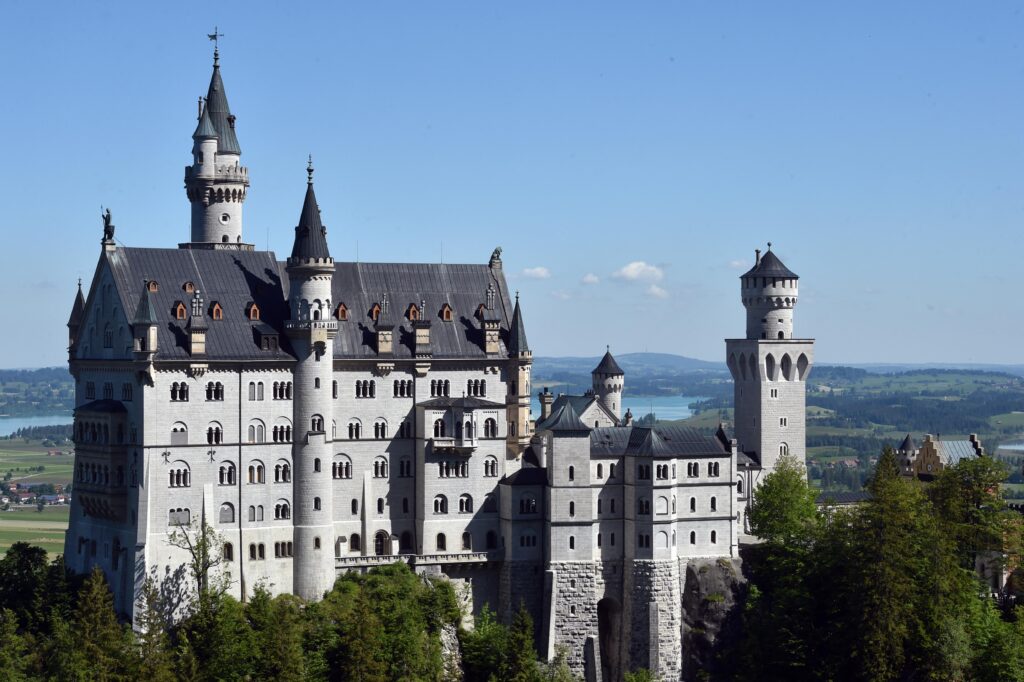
214	36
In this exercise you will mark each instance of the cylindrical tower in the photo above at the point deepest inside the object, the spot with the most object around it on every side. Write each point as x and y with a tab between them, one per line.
216	183
769	291
312	330
608	380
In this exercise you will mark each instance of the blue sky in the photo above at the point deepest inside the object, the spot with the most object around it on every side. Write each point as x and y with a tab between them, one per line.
628	157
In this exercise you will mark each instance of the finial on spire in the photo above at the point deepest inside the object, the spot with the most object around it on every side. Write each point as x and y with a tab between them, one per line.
216	51
769	246
517	295
309	170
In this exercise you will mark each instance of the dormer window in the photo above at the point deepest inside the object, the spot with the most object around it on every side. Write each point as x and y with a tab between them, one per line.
446	313
152	286
188	287
480	311
341	313
413	313
252	311
180	311
216	311
375	312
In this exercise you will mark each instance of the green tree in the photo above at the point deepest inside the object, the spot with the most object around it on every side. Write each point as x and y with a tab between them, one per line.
153	646
484	648
101	644
521	660
360	654
783	508
13	661
218	640
206	555
23	572
278	630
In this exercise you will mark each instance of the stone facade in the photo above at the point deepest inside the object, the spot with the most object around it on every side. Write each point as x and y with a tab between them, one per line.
325	417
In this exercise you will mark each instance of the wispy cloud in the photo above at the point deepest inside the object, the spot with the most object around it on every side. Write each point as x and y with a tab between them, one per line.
590	278
561	295
639	271
539	272
656	291
738	264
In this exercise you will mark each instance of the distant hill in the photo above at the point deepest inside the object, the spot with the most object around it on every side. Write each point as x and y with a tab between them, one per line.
646	374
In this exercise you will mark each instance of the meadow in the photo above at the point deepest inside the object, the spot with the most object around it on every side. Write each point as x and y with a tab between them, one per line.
24	523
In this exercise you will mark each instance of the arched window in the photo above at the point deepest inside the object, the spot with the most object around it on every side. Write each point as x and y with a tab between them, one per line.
572	473
611	470
693	537
572	509
527	504
467	541
783	449
380	429
490	428
282	510
491	467
355	506
353	542
714	537
316	504
214	434
229	552
491	541
440	504
405	543
739	486
380	505
600	470
693	504
380	468
341	467
316	423
355	430
179	434
381	543
439	428
227	513
217	312
714	503
465	504
252	513
442	543
572	542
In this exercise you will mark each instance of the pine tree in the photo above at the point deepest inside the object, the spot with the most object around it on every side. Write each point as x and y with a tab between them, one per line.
100	641
153	647
12	648
521	661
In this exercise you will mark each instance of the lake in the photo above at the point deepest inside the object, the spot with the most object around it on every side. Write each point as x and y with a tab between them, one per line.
9	425
665	407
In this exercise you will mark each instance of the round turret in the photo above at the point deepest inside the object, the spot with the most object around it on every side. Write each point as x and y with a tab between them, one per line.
608	379
769	292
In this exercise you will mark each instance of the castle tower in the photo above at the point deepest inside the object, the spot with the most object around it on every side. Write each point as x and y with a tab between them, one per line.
769	367
521	357
216	184
608	379
311	330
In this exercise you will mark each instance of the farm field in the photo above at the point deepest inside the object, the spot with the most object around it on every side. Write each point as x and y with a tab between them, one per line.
44	529
22	459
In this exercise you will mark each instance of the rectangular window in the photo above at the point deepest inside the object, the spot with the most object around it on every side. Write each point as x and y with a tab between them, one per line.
775	393
126	392
783	421
90	390
108	391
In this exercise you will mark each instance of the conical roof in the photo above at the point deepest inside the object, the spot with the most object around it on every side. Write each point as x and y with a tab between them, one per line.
770	266
310	233
220	114
77	308
517	332
908	444
205	130
608	365
145	313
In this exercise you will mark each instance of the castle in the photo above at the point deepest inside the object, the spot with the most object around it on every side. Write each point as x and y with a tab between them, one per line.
325	416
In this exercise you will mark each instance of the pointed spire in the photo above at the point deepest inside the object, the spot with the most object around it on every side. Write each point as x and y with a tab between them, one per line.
145	313
77	308
608	365
310	233
517	331
220	113
205	130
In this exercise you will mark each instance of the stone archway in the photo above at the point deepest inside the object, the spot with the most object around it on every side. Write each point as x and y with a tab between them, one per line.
382	543
609	628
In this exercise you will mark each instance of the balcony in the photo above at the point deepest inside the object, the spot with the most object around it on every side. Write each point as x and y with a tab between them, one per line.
455	444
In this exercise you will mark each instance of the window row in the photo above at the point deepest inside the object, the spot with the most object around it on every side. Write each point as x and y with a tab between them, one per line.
404	388
215	391
366	389
440	388
100	474
476	388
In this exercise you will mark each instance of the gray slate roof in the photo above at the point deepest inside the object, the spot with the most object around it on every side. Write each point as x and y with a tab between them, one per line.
464	403
658	441
145	314
77	308
527	476
236	278
517	332
952	451
564	420
580	403
205	129
310	233
220	114
770	266
608	365
103	405
907	445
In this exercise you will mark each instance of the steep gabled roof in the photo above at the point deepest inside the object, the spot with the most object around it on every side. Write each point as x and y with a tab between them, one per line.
220	114
657	441
908	444
608	365
770	266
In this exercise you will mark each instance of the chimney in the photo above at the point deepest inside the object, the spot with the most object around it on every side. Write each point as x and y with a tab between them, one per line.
757	257
547	399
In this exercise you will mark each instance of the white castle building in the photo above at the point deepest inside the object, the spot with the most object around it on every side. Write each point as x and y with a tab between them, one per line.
327	416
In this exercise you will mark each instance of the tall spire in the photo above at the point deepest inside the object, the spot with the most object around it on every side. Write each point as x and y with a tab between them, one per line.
220	113
205	130
77	308
517	331
310	233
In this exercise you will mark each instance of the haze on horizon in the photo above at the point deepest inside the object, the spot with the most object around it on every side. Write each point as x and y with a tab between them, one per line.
627	160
